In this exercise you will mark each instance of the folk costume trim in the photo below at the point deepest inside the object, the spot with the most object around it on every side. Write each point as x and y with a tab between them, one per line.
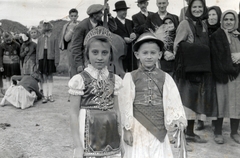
150	84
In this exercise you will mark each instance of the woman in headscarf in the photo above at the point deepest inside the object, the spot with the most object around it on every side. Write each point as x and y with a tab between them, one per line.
225	49
213	23
193	67
167	34
214	17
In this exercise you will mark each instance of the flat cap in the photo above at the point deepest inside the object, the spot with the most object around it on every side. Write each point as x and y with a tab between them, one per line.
94	9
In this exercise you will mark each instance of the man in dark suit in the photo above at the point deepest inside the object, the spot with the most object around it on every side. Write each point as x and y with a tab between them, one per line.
125	30
139	19
156	19
95	13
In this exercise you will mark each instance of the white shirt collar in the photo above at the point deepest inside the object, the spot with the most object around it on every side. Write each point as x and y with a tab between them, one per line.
93	24
162	16
95	73
122	20
145	13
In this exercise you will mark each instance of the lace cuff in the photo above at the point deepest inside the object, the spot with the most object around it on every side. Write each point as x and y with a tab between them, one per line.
173	107
127	96
75	92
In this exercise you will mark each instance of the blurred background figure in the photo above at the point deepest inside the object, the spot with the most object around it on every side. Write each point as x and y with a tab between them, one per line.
24	93
65	40
28	53
47	58
125	30
10	51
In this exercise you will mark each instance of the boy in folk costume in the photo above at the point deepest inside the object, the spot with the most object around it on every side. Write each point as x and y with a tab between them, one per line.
150	105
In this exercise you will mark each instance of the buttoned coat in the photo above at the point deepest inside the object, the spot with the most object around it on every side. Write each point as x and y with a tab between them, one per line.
52	49
139	22
124	30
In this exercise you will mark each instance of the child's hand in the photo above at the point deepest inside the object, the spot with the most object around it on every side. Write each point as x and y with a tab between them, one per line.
78	152
127	137
1	69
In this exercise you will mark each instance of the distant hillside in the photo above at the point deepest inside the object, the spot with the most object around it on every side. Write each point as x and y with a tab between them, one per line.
8	25
13	26
57	26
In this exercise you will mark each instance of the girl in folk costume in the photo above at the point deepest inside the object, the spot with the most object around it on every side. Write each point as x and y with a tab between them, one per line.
34	33
225	49
11	57
47	58
193	69
95	116
28	53
150	104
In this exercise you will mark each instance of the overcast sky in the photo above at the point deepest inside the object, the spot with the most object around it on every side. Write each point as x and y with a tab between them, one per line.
30	12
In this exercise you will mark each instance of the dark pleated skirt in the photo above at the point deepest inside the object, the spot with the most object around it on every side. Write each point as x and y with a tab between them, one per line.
11	69
46	66
199	94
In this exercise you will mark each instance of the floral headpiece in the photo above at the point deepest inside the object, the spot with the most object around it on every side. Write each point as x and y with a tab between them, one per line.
98	32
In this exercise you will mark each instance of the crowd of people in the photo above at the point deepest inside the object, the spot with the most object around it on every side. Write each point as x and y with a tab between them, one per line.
178	69
33	54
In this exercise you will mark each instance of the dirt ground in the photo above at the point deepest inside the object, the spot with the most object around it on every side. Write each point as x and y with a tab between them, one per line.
43	131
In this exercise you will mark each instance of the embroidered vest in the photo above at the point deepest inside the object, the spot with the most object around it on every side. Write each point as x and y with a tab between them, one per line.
148	103
98	95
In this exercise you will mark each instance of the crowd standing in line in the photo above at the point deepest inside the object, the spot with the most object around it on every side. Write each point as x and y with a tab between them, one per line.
202	76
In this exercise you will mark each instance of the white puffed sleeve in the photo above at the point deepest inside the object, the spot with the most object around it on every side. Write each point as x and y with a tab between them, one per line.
172	103
76	85
118	85
126	98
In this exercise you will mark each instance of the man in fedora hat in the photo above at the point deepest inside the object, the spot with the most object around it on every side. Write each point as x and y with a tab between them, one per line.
95	13
156	19
139	19
125	30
